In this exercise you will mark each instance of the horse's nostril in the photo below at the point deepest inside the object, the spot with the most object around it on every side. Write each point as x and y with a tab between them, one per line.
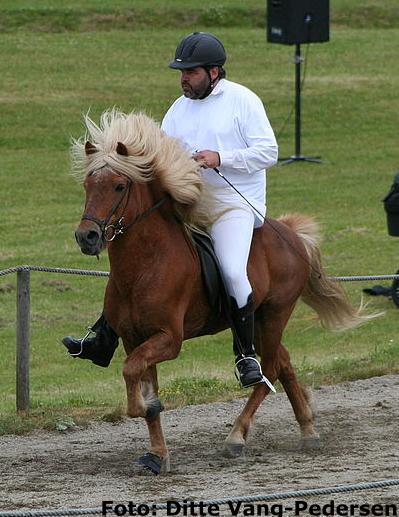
92	237
89	240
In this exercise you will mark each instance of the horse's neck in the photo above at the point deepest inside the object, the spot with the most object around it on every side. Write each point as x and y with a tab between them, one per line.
147	241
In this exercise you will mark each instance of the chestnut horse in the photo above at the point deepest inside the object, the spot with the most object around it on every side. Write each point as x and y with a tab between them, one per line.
142	188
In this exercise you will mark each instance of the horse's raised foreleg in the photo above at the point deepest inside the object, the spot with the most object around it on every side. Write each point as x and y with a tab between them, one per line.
142	394
156	460
141	397
149	392
299	399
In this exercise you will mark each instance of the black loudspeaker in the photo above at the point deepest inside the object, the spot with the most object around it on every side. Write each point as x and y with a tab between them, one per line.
298	21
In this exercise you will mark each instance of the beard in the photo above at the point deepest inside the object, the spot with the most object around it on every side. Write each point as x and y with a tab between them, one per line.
197	92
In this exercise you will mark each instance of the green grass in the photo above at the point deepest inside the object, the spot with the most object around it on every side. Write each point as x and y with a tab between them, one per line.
50	78
102	15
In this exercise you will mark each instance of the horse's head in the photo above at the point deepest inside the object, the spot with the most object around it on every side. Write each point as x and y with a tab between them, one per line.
129	167
107	194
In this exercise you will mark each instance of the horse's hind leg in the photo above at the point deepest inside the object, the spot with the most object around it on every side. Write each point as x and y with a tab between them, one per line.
270	322
267	341
235	442
300	402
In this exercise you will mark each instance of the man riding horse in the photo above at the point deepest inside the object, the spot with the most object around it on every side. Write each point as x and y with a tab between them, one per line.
224	125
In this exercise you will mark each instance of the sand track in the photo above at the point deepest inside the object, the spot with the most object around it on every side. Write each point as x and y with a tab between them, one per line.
358	423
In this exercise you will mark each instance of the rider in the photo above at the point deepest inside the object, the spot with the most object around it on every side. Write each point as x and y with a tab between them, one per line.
225	126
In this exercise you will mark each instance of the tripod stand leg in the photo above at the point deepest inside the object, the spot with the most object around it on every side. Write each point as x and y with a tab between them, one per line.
294	158
298	157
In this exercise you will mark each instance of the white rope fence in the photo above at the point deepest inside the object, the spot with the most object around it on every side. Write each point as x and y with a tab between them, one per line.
153	507
365	277
89	272
46	269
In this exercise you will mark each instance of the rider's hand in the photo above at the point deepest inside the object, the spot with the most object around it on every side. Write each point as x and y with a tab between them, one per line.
207	159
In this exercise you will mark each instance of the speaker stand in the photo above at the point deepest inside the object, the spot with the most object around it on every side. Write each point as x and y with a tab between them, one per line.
298	157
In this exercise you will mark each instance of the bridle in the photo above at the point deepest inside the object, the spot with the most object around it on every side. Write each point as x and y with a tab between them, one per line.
110	231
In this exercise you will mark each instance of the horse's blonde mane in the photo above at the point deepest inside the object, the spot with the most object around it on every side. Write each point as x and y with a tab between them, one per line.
151	155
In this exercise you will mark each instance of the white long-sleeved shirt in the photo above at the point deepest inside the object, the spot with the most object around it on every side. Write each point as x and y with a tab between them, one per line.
233	122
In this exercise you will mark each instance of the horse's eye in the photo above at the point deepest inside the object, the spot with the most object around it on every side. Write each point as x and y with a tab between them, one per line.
120	187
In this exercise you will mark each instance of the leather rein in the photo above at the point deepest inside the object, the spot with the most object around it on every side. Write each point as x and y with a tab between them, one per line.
110	231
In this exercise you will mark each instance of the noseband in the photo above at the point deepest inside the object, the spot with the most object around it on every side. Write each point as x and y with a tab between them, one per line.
110	231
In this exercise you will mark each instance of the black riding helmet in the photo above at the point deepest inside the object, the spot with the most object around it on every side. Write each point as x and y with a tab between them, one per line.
199	49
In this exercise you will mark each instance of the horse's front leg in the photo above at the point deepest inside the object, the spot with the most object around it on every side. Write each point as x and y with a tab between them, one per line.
140	383
142	394
156	460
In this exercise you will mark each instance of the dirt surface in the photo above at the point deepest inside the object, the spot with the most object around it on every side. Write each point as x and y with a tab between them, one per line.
358	423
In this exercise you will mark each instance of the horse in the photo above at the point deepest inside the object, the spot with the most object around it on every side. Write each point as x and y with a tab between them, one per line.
143	192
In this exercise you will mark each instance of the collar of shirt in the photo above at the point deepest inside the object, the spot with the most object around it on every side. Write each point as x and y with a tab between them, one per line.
219	87
217	90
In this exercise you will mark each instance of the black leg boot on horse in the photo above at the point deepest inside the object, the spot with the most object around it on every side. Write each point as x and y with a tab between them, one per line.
248	370
99	349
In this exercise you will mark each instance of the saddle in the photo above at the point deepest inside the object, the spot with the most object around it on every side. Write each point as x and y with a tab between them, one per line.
215	288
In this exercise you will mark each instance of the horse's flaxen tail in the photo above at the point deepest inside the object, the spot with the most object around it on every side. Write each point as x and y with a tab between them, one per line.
322	294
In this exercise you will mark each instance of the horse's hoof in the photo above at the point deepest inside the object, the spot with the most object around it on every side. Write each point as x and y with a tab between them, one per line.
310	443
152	464
154	410
233	450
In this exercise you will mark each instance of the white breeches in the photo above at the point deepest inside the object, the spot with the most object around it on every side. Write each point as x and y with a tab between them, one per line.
232	237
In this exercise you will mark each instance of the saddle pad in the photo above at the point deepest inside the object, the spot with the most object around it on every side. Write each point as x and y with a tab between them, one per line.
215	289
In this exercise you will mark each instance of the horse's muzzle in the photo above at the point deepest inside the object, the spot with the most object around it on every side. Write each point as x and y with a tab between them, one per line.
89	240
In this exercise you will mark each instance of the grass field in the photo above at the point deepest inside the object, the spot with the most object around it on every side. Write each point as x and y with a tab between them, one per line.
50	76
54	16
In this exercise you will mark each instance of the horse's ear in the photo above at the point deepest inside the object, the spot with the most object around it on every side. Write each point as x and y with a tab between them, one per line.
121	149
90	148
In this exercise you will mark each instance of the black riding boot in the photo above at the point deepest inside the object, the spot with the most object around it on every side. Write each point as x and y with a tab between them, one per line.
99	348
248	370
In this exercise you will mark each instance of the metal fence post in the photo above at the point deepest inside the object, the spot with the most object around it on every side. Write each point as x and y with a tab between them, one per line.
23	335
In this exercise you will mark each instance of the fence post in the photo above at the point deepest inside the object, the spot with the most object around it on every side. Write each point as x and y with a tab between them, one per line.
23	335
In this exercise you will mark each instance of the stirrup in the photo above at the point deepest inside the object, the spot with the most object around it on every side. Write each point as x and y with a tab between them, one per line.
89	331
264	379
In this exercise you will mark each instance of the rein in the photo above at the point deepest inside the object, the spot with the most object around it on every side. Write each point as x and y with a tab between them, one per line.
110	231
267	220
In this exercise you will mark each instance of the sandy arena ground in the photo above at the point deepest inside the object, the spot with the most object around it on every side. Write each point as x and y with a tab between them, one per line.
358	424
